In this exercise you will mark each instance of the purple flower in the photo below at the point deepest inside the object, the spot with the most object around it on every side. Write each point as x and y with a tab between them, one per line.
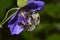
17	22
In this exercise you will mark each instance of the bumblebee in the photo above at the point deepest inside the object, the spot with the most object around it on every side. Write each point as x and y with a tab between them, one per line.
33	19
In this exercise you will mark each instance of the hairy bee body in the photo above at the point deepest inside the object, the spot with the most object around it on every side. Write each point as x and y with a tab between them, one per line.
33	20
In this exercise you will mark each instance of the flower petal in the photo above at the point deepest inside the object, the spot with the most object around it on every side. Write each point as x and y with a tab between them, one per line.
34	6
29	1
40	5
16	29
13	19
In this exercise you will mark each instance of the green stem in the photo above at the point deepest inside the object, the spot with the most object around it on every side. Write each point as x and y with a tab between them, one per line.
7	14
6	19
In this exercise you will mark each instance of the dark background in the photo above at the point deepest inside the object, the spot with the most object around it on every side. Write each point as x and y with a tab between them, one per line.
49	28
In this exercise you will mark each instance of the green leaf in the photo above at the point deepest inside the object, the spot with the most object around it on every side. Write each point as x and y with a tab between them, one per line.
21	3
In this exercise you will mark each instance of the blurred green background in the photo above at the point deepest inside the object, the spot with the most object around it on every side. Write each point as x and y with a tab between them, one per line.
49	28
